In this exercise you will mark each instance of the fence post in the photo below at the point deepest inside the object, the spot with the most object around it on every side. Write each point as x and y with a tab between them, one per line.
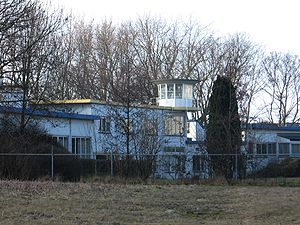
236	163
111	165
95	155
52	164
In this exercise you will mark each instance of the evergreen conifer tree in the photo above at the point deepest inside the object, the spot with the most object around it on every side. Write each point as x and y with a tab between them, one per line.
224	130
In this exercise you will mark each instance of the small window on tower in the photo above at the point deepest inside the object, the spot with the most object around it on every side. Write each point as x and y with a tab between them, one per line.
178	90
188	91
170	91
163	91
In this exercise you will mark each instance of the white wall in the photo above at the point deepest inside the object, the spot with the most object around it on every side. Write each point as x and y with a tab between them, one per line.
70	128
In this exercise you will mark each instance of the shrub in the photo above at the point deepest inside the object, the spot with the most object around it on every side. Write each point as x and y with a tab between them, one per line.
23	166
131	168
288	167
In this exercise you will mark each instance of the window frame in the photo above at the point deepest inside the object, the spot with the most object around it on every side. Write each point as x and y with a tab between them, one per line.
295	151
268	148
105	125
170	91
174	127
199	163
285	151
84	150
261	149
187	91
163	91
64	143
178	91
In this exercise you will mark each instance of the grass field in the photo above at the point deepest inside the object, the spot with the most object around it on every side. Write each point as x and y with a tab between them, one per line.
118	204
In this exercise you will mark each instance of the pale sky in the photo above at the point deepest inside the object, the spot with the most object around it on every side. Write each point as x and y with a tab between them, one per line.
272	23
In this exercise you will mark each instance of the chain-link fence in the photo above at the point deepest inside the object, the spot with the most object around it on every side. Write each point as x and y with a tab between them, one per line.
69	167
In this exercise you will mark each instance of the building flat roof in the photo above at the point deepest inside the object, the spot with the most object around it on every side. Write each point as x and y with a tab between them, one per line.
93	101
291	136
47	113
175	81
275	127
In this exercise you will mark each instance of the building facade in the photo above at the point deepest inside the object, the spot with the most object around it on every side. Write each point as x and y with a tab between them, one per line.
265	143
169	130
90	129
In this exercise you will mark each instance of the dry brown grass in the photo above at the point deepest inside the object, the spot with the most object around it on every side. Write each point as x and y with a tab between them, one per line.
94	203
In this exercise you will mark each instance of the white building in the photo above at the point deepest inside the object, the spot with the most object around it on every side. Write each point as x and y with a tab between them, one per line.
265	143
273	140
91	128
169	129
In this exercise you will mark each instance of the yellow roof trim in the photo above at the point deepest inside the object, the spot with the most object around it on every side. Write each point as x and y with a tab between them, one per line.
93	101
71	101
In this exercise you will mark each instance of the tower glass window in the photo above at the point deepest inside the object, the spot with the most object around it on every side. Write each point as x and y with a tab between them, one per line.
170	91
188	91
163	91
178	90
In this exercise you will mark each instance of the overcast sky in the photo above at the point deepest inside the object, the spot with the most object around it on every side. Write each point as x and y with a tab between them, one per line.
272	23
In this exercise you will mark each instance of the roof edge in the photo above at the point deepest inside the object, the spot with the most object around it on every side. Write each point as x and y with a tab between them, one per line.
175	81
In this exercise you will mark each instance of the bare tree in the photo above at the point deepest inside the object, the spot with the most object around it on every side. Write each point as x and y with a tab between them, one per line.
61	81
206	72
241	61
12	15
31	48
83	75
282	87
115	62
148	46
104	62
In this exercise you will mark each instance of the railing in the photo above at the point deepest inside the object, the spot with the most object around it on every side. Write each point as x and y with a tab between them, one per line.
168	165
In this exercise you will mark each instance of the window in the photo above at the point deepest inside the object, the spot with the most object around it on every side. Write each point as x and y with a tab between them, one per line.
295	148
170	91
163	91
174	163
104	125
198	163
188	91
283	148
61	140
159	90
82	146
168	163
266	148
173	149
180	165
174	125
178	90
271	148
261	149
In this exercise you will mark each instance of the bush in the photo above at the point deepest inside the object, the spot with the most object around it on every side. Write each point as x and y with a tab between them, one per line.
131	168
33	140
87	167
67	167
288	167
